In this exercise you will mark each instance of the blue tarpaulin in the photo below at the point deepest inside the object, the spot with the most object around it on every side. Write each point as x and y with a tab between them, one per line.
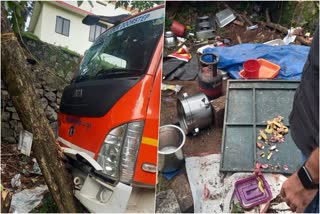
290	58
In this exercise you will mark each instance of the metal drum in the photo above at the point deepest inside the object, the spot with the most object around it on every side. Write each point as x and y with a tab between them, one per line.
194	112
171	141
170	40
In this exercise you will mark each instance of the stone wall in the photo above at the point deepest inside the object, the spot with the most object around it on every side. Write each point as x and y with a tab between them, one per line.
60	59
48	83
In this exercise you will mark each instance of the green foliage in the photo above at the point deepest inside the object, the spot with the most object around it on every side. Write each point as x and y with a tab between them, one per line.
17	12
47	206
139	5
68	51
80	3
29	35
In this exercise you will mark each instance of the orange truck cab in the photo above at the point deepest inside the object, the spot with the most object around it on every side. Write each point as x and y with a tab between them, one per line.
109	114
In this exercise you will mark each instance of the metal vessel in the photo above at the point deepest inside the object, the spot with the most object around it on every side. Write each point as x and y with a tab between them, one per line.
170	39
171	141
194	112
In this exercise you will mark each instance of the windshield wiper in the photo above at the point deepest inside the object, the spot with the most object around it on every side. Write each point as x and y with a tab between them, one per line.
80	78
117	71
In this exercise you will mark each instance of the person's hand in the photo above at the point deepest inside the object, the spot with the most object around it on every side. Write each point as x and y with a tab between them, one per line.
295	195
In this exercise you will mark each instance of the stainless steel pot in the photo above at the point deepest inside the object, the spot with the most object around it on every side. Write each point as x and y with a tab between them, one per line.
194	112
171	141
170	39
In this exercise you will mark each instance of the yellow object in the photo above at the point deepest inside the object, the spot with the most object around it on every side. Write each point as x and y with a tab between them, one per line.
269	155
260	185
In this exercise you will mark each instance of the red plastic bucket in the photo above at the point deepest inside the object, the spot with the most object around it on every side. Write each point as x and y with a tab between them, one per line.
177	28
251	68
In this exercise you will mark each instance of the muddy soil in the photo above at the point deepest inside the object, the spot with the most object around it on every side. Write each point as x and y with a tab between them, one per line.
208	141
12	163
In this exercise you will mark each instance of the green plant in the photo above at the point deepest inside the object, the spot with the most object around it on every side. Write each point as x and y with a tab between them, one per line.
47	206
68	51
139	5
29	35
17	12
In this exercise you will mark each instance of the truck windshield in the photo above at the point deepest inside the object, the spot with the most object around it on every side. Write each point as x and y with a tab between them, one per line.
124	50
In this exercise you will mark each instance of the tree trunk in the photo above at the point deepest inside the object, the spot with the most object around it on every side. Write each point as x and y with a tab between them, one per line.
45	148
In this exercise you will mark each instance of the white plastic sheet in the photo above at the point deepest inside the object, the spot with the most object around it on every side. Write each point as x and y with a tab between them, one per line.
213	193
27	200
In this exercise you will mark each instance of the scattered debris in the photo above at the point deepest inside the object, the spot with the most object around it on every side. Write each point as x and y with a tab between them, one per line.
225	17
260	146
36	168
253	27
269	155
177	28
285	30
25	142
175	88
275	42
260	185
205	27
206	192
272	148
274	133
15	181
238	23
285	167
236	208
28	199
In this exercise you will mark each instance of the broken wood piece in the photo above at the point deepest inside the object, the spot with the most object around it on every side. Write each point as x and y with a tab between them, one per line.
267	15
239	39
235	13
285	31
246	19
6	197
239	23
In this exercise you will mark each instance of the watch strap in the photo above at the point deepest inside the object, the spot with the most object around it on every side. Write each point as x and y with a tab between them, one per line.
306	179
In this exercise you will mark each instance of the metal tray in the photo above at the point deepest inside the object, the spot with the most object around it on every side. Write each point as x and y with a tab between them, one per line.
249	104
224	17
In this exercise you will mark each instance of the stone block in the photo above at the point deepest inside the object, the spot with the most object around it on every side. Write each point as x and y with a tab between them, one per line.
50	96
11	109
51	114
166	202
5	132
5	116
15	116
181	187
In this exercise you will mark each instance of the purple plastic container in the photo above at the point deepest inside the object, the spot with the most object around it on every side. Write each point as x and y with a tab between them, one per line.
249	194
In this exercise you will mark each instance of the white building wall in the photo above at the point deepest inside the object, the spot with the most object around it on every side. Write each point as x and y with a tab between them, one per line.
78	39
37	30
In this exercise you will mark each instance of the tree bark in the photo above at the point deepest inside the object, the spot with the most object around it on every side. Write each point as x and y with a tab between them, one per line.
45	148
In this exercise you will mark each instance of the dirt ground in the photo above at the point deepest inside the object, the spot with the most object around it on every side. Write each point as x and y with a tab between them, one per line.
12	163
208	141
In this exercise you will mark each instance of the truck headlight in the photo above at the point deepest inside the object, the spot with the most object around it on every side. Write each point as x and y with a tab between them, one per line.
119	151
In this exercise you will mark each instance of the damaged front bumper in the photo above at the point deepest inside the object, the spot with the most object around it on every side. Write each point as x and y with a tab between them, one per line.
95	192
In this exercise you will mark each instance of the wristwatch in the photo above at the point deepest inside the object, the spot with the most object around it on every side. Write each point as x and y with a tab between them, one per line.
306	178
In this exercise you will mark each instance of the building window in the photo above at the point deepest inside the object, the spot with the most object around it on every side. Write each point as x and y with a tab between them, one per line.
95	31
62	26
